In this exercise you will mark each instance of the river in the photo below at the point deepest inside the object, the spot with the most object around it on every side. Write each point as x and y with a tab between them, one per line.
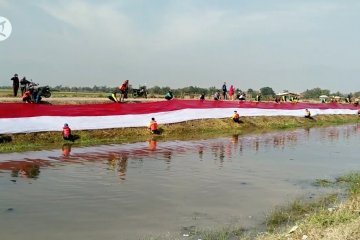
155	188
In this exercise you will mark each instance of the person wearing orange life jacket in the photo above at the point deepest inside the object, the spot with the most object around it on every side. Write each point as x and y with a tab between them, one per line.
66	133
235	117
124	88
153	126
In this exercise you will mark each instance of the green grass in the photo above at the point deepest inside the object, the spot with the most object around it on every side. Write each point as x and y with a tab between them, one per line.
323	219
225	233
79	94
294	211
352	181
6	92
323	183
220	234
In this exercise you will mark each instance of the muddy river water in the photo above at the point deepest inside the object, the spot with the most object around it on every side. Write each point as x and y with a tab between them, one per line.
157	188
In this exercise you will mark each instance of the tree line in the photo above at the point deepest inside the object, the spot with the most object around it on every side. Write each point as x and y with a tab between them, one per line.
266	92
196	91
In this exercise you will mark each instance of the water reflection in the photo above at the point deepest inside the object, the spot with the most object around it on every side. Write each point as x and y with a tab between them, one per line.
25	168
117	156
28	171
123	188
66	149
152	144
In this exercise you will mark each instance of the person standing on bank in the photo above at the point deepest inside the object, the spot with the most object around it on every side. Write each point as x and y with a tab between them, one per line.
231	92
15	80
224	90
23	84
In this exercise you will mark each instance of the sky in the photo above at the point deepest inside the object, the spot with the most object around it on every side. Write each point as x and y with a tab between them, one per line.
293	45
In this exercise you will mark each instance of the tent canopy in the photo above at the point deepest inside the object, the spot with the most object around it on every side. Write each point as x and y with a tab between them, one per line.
288	94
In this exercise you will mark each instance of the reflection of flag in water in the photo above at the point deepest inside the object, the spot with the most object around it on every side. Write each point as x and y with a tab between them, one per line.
19	117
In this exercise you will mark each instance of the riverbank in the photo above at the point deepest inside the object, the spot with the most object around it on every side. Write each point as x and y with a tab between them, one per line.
195	129
328	218
335	216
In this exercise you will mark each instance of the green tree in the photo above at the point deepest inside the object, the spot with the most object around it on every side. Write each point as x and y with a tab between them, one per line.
155	90
338	94
267	91
315	93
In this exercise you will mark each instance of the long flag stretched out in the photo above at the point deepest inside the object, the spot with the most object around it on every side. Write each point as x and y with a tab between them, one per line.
24	118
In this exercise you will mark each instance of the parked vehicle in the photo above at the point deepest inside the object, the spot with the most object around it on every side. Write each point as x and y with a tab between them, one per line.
241	96
34	94
140	92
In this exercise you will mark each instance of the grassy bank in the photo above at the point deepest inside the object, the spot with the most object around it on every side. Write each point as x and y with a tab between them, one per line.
196	129
335	216
329	218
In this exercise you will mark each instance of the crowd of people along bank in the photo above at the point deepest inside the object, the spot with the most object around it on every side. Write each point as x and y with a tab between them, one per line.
121	92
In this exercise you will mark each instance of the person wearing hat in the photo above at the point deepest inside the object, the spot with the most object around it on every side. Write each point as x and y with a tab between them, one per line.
235	117
15	80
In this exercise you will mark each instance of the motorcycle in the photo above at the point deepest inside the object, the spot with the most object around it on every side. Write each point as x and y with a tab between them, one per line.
241	96
34	94
140	92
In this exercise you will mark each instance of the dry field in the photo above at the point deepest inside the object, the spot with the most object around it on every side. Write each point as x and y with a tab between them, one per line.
77	100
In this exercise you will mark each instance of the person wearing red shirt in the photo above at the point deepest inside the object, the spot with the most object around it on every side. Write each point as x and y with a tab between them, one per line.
231	92
66	133
153	126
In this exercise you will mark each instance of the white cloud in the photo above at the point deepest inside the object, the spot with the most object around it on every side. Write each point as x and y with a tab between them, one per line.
182	28
93	20
89	38
199	26
292	18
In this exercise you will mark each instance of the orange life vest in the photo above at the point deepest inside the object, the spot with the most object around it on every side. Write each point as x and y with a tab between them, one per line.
153	125
124	86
